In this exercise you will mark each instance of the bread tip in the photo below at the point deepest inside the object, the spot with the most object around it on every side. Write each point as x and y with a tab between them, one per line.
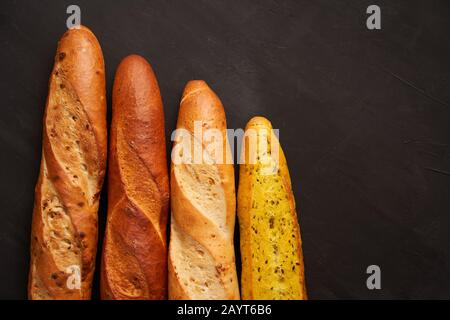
79	27
136	60
80	30
259	121
195	85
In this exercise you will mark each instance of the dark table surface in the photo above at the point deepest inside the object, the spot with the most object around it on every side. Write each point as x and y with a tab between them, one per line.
364	119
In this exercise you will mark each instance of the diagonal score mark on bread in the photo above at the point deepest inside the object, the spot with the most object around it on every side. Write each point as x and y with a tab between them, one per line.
198	280
69	128
202	184
122	261
138	184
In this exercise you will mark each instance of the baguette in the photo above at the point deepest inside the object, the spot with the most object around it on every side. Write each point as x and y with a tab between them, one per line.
64	227
134	260
271	251
201	252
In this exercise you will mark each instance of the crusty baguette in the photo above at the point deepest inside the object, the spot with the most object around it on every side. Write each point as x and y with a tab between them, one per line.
271	251
134	261
64	228
201	251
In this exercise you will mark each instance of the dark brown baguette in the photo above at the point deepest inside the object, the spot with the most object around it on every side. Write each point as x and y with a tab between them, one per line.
134	261
64	228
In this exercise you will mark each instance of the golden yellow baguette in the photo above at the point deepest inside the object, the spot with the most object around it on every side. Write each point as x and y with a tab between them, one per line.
272	258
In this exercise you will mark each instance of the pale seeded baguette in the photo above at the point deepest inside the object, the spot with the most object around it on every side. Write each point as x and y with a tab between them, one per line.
64	228
271	246
134	261
201	252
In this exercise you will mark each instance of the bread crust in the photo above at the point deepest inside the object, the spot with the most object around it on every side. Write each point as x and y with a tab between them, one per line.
201	251
134	259
64	227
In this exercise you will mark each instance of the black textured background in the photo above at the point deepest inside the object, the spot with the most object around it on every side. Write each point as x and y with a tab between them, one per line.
364	119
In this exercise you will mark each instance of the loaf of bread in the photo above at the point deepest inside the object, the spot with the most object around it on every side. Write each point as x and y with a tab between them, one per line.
271	250
64	228
201	251
134	260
